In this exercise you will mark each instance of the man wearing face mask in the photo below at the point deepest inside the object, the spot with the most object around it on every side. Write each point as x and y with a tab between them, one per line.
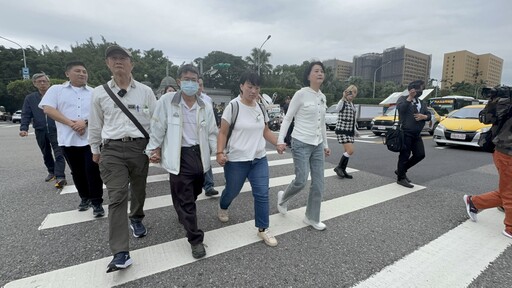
413	114
183	132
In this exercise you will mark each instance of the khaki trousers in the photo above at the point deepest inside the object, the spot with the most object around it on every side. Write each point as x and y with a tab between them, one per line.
123	163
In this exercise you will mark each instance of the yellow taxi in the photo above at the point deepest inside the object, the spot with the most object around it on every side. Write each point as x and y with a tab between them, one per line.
381	124
461	127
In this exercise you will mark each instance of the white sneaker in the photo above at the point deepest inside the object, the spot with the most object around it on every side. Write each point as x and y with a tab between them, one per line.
267	237
223	215
282	208
507	234
317	225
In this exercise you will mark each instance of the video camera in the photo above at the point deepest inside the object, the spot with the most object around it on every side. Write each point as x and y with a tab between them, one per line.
499	91
499	106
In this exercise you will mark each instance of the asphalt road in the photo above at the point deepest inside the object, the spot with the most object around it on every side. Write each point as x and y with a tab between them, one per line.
376	230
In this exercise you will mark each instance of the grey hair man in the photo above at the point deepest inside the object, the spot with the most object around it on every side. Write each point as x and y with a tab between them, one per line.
45	130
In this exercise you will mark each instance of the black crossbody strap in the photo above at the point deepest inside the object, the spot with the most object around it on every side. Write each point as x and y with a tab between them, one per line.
394	119
125	110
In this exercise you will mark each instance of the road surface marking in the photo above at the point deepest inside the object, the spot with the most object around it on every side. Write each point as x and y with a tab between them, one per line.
166	256
452	260
54	220
68	189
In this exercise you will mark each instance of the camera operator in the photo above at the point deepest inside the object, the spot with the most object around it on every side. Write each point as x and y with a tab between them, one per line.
497	112
413	114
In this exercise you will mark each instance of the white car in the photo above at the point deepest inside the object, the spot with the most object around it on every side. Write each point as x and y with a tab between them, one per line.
331	117
16	117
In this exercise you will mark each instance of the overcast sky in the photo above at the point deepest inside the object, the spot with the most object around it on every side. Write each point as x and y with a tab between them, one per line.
301	30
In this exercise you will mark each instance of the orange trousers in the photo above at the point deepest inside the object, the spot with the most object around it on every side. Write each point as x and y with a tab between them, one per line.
502	196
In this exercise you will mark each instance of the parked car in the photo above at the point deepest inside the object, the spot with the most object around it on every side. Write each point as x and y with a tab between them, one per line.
16	117
364	115
381	124
3	114
461	127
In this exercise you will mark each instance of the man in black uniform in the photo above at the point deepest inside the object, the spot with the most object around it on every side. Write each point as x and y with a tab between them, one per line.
413	114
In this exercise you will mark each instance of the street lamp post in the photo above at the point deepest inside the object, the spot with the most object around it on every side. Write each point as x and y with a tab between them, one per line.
259	52
437	86
25	70
375	76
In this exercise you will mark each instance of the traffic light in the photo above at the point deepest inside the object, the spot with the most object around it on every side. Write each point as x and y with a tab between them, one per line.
221	66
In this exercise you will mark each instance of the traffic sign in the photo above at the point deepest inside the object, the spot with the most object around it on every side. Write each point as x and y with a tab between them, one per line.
25	73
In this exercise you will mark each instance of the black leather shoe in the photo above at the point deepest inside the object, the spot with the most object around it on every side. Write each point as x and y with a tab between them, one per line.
406	178
404	183
211	192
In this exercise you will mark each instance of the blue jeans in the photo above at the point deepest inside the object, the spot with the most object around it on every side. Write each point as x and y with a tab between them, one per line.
305	158
257	173
208	180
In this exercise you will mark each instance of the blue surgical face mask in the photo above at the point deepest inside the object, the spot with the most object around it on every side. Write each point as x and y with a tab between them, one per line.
189	87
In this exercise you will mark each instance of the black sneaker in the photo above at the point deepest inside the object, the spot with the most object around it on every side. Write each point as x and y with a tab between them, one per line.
404	183
84	205
121	261
49	178
97	210
198	251
61	183
138	228
211	192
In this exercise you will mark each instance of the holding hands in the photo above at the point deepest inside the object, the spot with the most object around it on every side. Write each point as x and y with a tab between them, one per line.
221	158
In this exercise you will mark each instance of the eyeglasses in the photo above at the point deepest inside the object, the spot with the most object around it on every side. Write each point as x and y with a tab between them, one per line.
42	81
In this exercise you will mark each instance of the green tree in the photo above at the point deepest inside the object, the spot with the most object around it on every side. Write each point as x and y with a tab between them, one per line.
261	58
224	78
17	90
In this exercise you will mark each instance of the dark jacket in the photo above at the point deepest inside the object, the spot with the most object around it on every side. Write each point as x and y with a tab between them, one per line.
31	111
406	111
503	138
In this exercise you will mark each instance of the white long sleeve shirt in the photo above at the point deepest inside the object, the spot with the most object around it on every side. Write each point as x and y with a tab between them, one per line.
107	121
308	108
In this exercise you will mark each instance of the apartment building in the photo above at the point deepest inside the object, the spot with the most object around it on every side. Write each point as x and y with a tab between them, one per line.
342	69
397	64
468	67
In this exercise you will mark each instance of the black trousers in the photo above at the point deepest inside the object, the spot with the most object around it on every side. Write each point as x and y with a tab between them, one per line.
413	144
185	187
86	173
47	142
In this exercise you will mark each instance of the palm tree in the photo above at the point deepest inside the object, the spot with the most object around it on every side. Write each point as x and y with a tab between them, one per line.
259	58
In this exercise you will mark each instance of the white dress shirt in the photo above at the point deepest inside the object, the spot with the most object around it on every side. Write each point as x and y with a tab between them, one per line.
74	103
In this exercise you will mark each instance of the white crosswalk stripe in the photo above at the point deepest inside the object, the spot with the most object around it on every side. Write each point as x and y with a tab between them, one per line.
452	260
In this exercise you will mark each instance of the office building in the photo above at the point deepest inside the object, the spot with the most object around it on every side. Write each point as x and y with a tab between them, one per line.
342	69
405	65
465	66
365	66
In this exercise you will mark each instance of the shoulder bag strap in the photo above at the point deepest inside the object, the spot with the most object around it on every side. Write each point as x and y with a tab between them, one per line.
394	118
125	110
